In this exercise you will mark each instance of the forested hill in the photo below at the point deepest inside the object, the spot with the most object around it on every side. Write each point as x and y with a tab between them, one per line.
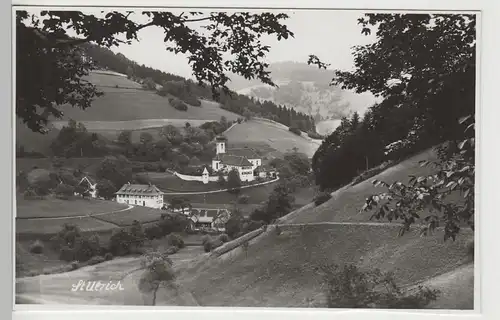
184	88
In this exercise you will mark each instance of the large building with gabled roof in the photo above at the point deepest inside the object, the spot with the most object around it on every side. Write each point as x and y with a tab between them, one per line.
243	160
140	195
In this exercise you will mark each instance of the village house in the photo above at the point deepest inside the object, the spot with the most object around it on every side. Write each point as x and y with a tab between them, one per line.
140	195
243	160
90	186
213	219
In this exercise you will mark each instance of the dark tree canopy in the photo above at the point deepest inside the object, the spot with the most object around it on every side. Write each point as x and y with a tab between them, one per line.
44	48
423	67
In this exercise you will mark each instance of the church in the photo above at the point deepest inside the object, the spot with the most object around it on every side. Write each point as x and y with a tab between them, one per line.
244	160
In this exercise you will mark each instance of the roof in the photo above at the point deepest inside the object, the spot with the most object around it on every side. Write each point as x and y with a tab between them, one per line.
89	180
243	152
139	189
220	138
232	160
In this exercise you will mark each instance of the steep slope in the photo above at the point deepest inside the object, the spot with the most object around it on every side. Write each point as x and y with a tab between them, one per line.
280	270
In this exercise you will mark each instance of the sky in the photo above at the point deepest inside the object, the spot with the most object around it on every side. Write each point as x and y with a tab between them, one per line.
329	34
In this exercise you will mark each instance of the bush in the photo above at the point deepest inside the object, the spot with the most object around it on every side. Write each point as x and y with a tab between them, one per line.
243	199
122	243
175	240
224	238
108	256
66	254
349	287
172	250
178	104
37	247
74	265
153	232
64	191
295	130
215	243
322	198
192	101
95	260
315	135
207	246
206	238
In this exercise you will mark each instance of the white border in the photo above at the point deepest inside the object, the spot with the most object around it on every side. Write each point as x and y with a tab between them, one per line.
487	164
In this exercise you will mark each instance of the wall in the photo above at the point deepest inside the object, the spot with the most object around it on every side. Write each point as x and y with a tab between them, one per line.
186	177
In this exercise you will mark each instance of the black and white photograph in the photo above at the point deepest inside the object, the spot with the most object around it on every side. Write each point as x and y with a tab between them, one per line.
269	158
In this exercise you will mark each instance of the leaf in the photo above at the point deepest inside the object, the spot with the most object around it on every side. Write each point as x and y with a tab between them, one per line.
462	144
463	119
466	193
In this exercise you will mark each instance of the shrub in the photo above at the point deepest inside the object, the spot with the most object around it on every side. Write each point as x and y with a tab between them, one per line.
192	101
224	238
322	198
74	265
349	287
295	130
37	247
206	238
175	240
122	242
207	246
66	254
243	199
108	256
215	243
178	104
85	249
96	260
153	232
172	250
64	191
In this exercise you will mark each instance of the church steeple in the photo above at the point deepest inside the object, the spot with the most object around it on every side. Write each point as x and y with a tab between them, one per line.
221	144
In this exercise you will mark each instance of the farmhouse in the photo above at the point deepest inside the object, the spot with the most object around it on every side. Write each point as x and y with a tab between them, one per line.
90	186
214	219
140	195
245	161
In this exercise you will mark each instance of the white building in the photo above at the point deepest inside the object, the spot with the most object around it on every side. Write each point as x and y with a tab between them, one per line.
244	160
140	195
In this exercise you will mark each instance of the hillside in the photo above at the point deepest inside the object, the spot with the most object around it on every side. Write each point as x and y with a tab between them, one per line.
276	136
129	102
281	270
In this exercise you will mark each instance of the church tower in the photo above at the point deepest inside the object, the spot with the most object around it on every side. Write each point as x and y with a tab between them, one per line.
220	144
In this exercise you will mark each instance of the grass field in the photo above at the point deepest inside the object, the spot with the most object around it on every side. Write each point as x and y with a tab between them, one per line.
276	137
54	207
129	102
256	195
51	226
280	270
125	218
